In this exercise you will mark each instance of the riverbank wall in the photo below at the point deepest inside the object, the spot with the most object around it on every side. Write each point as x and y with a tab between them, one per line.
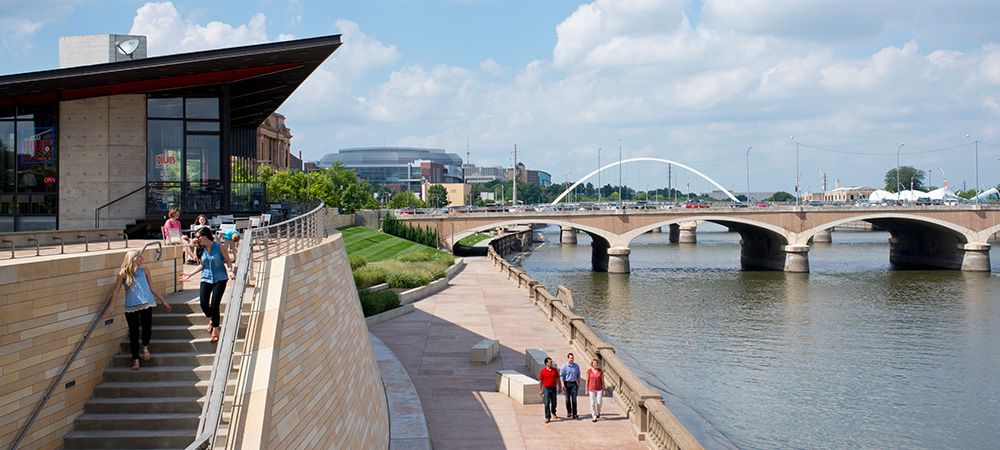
651	420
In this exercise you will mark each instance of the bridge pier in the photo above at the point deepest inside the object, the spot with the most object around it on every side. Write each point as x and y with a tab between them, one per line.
567	235
796	258
618	260
675	233
823	237
687	233
976	257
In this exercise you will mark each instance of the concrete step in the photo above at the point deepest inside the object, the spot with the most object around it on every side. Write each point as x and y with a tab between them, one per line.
125	421
196	345
162	373
140	405
190	359
119	439
184	388
179	318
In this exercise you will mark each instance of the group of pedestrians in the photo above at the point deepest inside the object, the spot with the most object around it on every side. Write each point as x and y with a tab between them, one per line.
141	295
567	379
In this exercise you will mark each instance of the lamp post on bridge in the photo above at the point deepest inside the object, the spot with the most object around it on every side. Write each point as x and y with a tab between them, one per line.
898	149
978	188
798	182
748	173
621	201
598	174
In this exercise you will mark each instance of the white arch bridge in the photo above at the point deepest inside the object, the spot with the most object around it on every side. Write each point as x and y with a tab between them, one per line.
644	158
954	238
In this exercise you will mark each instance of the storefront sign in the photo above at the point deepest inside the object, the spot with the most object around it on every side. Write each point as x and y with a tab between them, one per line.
162	161
39	148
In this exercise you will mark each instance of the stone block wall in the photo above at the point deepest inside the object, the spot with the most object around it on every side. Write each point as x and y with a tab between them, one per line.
46	306
102	156
313	381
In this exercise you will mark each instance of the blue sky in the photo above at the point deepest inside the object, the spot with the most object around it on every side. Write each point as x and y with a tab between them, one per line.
693	81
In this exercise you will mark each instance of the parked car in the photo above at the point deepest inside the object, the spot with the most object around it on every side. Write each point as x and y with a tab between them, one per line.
410	211
695	203
923	201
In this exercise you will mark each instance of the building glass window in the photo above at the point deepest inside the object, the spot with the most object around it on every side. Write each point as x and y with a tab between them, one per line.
28	168
184	154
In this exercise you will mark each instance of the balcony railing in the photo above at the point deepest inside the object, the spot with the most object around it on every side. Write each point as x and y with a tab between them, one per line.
203	197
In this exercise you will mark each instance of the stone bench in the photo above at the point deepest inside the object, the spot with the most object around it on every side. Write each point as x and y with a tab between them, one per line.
518	386
484	352
534	359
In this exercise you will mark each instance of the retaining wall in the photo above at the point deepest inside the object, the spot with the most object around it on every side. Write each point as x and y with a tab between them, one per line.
46	305
311	377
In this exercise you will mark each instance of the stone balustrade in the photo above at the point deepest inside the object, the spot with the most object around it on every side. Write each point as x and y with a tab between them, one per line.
643	405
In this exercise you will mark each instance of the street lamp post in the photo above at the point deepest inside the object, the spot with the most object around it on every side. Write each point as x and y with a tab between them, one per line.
797	172
748	174
977	168
621	201
598	174
898	149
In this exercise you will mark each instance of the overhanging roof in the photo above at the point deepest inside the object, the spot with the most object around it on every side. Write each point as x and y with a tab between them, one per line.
260	77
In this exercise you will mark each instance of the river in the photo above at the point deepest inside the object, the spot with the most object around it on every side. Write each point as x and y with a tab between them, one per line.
851	355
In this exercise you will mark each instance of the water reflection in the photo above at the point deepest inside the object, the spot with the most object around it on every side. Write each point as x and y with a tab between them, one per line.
849	355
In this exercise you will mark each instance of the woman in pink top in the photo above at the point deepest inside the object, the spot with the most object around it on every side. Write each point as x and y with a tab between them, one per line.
595	388
174	221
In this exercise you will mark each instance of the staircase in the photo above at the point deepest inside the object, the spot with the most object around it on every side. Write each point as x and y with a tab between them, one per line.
160	405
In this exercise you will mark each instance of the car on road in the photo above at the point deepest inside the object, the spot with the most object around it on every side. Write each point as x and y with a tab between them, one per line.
738	204
695	203
923	201
411	211
763	205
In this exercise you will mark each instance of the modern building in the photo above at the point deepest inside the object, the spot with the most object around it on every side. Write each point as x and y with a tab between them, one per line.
480	175
399	168
121	141
525	175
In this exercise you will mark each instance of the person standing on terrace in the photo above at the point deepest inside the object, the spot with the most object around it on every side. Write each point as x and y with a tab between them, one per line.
569	375
140	298
216	269
548	387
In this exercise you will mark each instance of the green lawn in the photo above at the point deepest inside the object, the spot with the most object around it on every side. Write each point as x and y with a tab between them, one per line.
473	239
374	245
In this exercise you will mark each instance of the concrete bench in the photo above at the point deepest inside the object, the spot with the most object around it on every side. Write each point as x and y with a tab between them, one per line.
484	352
534	359
518	386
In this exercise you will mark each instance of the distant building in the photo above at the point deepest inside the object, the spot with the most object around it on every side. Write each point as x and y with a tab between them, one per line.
399	168
848	194
458	193
479	175
524	175
754	196
295	162
274	143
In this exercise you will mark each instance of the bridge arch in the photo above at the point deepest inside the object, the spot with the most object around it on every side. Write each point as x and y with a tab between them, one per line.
607	236
964	234
645	158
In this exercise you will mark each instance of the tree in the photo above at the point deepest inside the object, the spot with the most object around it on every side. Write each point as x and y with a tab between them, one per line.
437	196
781	196
909	178
405	199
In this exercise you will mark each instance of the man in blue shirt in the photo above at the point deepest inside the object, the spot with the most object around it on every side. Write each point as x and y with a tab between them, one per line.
569	374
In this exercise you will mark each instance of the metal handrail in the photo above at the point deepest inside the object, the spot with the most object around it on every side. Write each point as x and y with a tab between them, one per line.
97	211
211	415
72	358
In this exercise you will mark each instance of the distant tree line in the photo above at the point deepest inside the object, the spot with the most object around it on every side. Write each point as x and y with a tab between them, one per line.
420	235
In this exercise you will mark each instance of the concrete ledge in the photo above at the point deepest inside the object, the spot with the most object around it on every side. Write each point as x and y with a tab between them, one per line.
503	381
534	359
376	288
518	386
422	292
407	424
387	315
484	352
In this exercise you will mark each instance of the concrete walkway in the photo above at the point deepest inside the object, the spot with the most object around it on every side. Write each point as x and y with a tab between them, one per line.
460	401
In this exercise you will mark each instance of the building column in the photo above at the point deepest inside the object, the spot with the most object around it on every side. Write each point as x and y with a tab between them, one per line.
975	257
675	233
796	258
567	235
618	260
823	237
688	233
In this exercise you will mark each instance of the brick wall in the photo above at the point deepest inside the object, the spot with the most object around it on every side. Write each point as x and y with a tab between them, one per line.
315	382
46	305
102	156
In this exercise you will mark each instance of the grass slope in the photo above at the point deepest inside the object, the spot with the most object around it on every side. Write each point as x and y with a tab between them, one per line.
375	245
473	239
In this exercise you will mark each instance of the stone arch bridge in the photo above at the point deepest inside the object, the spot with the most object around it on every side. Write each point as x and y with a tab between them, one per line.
777	238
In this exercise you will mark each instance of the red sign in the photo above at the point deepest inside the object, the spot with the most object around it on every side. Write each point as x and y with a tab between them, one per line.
163	161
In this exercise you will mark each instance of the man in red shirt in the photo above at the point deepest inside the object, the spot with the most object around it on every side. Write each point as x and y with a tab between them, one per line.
548	389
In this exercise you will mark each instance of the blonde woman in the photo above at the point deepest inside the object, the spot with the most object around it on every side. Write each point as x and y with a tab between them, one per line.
140	299
595	389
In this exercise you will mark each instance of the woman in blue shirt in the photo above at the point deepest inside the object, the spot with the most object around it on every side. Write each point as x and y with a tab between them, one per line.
215	268
140	298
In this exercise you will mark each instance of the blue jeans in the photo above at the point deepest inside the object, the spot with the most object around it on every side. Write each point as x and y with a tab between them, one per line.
571	390
549	396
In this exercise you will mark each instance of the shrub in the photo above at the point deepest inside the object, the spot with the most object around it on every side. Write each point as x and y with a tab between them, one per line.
406	280
368	276
375	302
357	261
416	257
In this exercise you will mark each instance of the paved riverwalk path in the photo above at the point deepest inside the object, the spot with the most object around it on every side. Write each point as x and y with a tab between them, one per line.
460	401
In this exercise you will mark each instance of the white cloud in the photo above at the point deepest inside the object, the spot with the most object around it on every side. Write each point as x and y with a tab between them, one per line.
167	32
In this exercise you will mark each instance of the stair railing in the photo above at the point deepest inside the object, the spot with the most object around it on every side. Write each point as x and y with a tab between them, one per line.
93	326
305	230
97	211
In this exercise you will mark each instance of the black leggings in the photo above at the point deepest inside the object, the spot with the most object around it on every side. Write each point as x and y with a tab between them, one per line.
213	292
143	318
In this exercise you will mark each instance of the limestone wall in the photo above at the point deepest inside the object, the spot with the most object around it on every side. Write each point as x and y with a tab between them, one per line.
336	220
311	379
46	305
102	156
